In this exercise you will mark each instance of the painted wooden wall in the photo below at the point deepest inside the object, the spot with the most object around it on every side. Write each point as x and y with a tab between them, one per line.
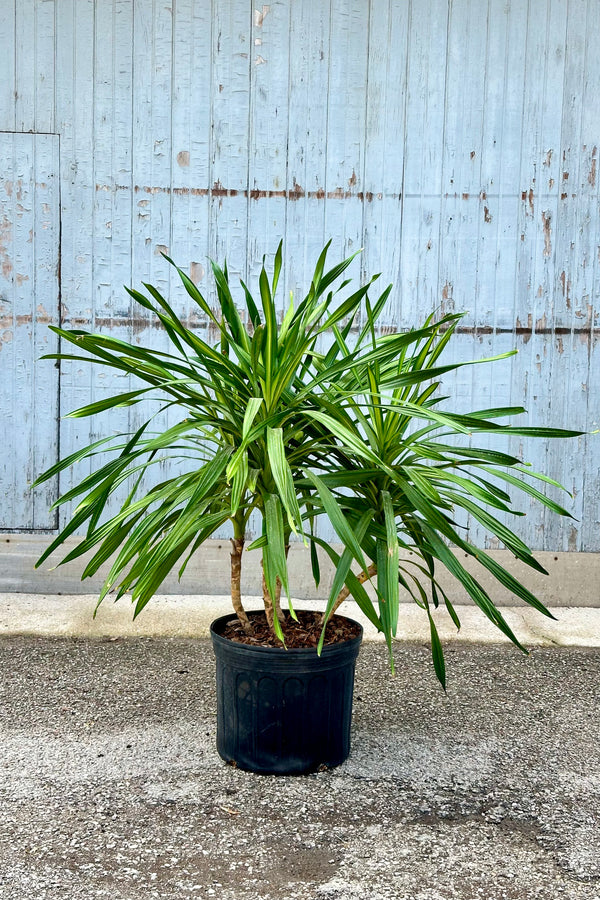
455	140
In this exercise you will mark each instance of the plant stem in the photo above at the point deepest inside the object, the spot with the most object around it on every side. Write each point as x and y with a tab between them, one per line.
267	601
236	578
345	592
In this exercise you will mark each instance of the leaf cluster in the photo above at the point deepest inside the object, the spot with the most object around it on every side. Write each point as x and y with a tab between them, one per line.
314	415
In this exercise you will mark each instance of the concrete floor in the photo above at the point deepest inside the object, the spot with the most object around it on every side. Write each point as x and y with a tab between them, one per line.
111	786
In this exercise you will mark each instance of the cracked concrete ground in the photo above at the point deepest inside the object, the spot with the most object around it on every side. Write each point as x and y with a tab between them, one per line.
111	787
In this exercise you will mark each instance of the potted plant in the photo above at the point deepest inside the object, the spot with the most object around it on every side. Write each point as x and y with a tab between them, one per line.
314	416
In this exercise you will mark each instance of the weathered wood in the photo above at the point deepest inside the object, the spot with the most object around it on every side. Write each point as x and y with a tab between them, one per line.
457	142
29	254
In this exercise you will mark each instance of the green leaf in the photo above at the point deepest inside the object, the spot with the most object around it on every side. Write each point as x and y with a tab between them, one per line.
437	653
356	589
338	520
126	399
254	404
282	475
529	489
238	485
392	593
274	558
277	267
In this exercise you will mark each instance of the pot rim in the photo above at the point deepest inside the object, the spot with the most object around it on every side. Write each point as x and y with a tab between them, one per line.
279	652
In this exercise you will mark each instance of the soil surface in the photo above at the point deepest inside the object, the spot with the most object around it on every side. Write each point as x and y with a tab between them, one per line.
303	633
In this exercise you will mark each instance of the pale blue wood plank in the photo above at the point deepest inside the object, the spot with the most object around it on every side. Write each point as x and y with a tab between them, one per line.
75	122
24	97
418	283
269	125
152	156
540	143
231	37
33	60
29	222
191	149
7	66
307	142
45	42
575	289
590	523
346	127
385	142
112	220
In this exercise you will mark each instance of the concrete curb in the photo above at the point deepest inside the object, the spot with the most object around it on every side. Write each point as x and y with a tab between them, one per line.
71	615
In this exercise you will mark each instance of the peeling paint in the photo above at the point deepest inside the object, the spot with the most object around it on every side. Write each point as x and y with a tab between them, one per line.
548	157
592	175
566	287
546	224
183	158
447	304
486	214
260	16
259	61
527	196
196	272
573	535
160	248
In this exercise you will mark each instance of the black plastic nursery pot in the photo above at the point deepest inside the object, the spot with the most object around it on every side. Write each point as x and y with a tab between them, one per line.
283	712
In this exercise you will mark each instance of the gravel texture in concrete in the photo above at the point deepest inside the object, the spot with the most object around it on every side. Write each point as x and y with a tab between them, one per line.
111	786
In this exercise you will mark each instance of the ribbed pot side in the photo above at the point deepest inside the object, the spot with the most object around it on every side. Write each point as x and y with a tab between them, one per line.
284	712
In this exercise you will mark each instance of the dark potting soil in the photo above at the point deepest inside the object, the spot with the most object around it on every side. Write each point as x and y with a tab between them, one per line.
303	633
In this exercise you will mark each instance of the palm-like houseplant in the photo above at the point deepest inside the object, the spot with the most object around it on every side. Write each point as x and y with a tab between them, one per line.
313	416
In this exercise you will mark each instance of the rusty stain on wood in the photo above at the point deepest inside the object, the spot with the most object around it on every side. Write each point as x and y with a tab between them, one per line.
25	319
